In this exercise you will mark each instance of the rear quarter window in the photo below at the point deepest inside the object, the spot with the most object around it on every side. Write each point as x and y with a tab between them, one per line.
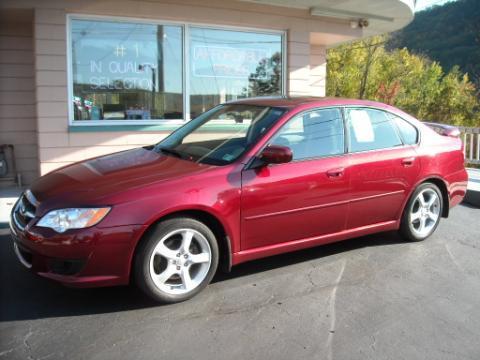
408	132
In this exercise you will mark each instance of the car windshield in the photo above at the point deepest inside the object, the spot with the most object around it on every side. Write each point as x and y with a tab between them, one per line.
220	135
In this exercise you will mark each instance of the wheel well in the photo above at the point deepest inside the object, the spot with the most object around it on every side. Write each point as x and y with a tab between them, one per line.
225	260
443	188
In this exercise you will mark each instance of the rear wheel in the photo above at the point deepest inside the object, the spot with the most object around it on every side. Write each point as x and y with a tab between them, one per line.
176	260
422	213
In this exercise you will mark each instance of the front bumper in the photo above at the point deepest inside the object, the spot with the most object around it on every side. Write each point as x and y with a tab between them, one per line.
79	258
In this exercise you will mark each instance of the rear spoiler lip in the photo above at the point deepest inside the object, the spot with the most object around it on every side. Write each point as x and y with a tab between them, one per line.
443	129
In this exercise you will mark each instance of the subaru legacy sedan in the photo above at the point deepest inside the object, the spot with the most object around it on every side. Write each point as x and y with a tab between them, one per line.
244	180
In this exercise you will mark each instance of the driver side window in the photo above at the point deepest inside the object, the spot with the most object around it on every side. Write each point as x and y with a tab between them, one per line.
318	133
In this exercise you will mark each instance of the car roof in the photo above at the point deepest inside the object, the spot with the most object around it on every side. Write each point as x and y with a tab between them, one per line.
294	101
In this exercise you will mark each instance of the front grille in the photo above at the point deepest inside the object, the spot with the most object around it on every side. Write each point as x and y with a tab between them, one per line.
24	210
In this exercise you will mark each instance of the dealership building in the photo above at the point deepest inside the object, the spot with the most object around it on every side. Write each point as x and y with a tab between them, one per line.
82	78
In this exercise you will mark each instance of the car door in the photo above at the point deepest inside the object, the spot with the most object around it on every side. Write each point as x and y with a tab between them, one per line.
306	197
383	167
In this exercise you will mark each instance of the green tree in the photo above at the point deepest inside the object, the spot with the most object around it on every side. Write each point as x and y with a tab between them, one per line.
366	70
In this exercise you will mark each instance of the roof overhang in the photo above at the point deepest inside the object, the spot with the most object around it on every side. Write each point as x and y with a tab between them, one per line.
370	17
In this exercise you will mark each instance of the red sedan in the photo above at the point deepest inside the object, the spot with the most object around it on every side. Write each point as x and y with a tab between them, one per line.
285	174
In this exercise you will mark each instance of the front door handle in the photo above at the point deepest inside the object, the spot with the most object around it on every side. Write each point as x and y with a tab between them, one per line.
335	173
408	161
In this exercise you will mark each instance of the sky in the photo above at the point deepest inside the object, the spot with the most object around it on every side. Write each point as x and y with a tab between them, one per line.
423	4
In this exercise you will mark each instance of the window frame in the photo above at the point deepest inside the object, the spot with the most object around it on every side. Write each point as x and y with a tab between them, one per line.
392	117
185	26
346	134
389	114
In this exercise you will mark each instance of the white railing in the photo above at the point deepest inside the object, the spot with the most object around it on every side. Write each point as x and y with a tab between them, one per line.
471	144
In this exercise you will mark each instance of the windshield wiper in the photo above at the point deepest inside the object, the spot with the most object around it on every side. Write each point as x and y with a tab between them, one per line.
171	152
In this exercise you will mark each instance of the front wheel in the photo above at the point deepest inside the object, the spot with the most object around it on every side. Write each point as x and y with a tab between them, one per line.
176	260
422	213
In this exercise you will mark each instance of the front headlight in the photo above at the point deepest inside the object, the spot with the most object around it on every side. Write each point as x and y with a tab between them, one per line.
64	219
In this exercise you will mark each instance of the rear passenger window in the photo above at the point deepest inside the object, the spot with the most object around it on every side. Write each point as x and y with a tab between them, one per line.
371	130
408	132
314	134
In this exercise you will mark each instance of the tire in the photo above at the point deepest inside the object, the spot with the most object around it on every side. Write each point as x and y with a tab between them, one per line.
422	213
168	267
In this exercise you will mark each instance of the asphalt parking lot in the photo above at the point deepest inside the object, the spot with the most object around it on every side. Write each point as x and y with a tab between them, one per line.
375	297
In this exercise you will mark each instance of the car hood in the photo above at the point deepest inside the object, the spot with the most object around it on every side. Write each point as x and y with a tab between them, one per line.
93	180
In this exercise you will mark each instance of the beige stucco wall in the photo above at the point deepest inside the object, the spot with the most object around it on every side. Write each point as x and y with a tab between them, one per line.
17	99
57	146
318	69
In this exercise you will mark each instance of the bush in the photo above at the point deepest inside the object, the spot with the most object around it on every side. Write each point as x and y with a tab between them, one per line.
413	83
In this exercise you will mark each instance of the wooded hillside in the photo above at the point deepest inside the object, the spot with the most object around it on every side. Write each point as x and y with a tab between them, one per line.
449	34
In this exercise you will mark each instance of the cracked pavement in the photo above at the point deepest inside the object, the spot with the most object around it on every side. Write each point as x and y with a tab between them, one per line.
374	297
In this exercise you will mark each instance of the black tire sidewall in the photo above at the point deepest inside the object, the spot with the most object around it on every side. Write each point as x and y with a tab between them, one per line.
405	229
147	245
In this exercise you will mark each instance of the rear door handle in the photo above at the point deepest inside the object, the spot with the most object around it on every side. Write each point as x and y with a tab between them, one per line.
408	161
335	173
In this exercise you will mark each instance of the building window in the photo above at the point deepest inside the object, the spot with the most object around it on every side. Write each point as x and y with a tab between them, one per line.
127	72
227	65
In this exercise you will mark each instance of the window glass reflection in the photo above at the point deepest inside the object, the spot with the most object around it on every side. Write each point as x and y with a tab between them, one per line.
371	130
126	71
227	65
314	134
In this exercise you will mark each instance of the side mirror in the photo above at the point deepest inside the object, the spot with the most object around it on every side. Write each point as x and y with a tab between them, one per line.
276	154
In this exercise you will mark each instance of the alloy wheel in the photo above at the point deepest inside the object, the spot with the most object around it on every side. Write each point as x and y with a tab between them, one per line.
425	212
180	261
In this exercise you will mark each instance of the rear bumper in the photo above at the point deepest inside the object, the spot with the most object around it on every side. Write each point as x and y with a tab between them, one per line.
78	258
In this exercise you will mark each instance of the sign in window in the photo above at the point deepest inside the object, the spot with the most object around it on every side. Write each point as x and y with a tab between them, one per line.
228	65
126	71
